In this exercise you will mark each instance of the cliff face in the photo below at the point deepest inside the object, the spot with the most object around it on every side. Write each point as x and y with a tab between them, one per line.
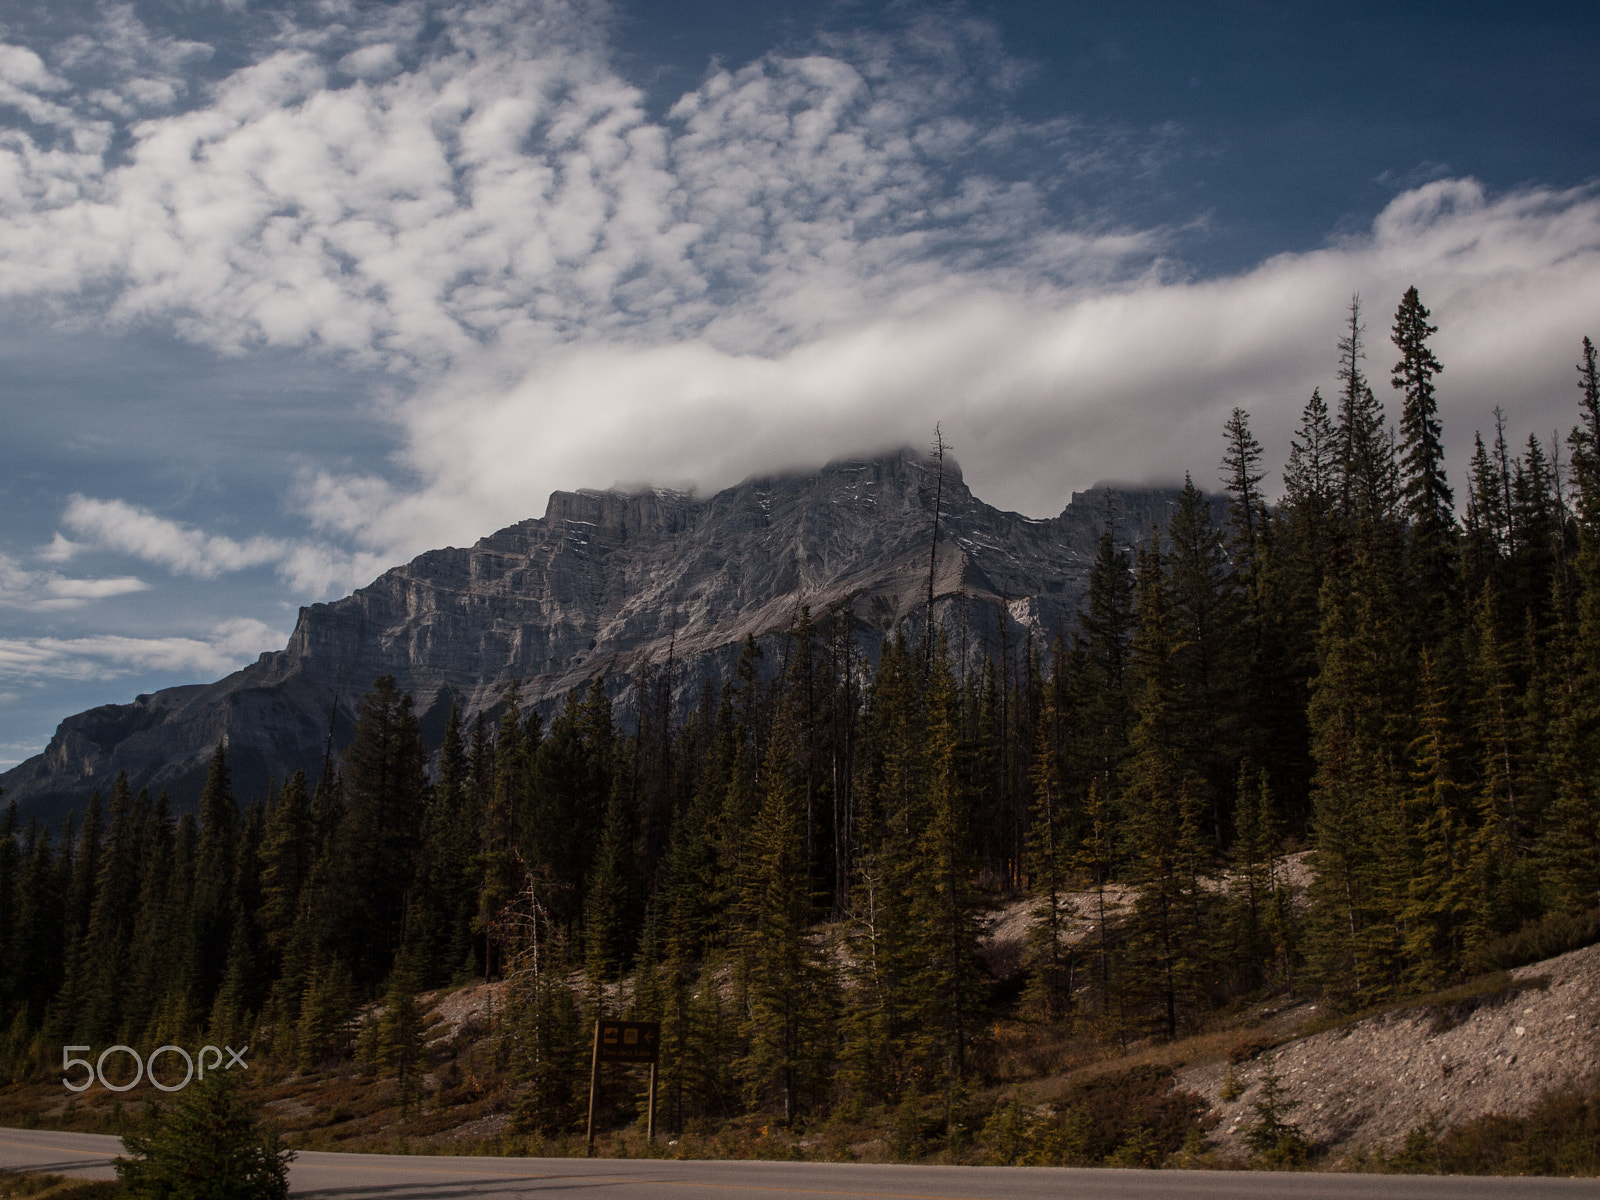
605	583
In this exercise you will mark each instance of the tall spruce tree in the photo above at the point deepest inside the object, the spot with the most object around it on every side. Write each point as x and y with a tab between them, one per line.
439	927
789	1014
212	910
1364	447
1429	503
371	853
1242	474
1170	937
1106	627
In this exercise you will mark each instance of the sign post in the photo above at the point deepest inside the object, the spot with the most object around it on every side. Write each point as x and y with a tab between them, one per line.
624	1042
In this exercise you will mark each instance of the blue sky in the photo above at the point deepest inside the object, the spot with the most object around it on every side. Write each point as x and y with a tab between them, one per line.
291	292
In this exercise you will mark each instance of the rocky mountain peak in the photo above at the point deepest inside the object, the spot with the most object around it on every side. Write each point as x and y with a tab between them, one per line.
608	583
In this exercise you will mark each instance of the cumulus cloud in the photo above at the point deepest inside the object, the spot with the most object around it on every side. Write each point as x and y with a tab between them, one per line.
49	591
307	567
230	646
498	184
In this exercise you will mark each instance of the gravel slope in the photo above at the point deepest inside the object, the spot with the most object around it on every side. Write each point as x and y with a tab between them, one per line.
1371	1082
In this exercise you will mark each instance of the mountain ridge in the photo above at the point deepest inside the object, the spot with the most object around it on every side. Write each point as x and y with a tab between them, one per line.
607	583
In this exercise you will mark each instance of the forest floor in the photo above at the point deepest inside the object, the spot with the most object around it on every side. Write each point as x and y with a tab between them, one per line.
1358	1084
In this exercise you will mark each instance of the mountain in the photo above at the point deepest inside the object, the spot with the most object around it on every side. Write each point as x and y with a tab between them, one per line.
606	583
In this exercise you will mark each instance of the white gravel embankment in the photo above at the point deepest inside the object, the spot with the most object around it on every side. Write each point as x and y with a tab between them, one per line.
1371	1082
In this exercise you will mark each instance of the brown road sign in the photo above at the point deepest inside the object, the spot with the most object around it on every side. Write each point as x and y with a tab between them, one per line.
629	1041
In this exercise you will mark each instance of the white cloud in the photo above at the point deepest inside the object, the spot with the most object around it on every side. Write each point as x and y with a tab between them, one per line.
49	591
231	645
375	62
95	589
500	184
1041	392
59	550
813	254
309	568
117	525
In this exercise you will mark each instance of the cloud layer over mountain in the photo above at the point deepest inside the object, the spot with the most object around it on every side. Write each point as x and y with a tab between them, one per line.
819	252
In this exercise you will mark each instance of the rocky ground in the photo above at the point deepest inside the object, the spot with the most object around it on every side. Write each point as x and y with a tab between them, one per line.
1368	1083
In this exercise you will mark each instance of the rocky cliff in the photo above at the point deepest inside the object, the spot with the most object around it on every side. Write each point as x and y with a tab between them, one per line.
603	584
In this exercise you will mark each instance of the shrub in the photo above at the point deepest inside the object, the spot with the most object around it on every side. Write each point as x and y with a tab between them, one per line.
209	1146
1560	1136
1008	1134
1132	1117
1272	1136
1552	934
1232	1088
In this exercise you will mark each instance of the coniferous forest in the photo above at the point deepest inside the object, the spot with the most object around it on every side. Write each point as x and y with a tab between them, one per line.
1386	674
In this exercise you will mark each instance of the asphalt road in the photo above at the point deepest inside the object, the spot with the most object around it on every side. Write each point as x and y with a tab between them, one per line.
403	1177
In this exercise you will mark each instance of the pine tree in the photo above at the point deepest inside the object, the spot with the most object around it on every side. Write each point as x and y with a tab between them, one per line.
1048	954
39	930
78	871
1311	476
1251	884
571	781
1106	631
1428	501
789	1019
1505	889
1359	714
287	852
211	924
1571	841
1438	911
439	925
103	963
611	916
208	1147
370	855
1487	523
155	923
507	770
325	1012
945	906
1169	946
1096	858
1207	658
400	1038
172	1015
236	1000
748	733
1365	450
1241	477
885	1049
545	1023
1271	1134
10	867
1304	545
